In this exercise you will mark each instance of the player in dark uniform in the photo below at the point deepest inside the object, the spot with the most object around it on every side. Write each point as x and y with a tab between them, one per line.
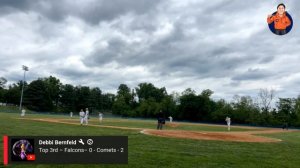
160	120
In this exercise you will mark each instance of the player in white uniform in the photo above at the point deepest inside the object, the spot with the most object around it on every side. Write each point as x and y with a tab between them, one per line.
23	112
82	116
228	120
171	119
71	114
86	118
100	117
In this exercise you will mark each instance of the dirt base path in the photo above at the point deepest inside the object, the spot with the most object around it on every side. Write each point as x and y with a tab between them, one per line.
237	136
247	136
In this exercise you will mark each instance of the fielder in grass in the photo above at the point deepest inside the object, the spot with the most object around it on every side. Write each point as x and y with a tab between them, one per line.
82	116
86	119
23	112
100	117
71	114
228	120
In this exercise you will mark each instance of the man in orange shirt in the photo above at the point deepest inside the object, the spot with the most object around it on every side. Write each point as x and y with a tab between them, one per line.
280	19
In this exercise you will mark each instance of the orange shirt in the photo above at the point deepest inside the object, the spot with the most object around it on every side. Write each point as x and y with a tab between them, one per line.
279	22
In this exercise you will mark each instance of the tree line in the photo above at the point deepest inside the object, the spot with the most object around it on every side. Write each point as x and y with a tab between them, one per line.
146	100
49	94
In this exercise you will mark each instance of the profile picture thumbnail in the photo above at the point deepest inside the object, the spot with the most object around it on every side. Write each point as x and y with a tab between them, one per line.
22	150
280	22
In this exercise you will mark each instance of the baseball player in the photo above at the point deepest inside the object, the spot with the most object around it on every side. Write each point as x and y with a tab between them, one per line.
86	118
71	114
285	126
23	112
228	120
160	120
171	119
100	117
82	116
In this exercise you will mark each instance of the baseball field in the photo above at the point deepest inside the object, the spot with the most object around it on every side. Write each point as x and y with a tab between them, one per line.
179	144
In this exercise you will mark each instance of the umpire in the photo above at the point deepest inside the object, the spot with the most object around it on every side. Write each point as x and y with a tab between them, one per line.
160	120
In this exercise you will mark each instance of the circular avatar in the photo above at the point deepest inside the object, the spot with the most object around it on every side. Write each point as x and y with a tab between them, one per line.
21	148
280	22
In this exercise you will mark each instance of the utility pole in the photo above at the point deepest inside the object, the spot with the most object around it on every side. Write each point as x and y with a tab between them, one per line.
25	68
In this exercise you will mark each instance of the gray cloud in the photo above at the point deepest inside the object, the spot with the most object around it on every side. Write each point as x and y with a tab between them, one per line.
8	6
224	45
252	74
91	11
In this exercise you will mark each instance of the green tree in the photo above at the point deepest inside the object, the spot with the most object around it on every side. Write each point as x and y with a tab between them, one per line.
222	110
95	98
124	101
188	91
68	98
148	108
146	91
196	107
297	111
82	97
124	91
243	107
3	81
107	100
53	87
13	94
2	95
189	107
37	97
286	110
207	93
120	106
168	106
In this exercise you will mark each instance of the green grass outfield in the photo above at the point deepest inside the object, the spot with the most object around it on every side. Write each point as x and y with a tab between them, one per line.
153	151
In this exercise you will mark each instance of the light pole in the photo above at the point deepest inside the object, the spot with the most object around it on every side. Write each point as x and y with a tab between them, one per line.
25	68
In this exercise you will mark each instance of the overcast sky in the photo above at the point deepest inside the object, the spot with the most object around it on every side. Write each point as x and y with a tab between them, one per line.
222	45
